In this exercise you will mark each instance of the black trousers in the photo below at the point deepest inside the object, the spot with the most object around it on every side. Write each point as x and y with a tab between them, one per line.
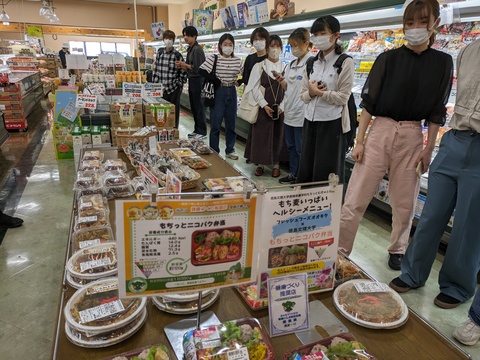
323	151
174	98
196	104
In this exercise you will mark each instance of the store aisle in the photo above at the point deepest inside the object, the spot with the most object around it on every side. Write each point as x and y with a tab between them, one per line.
32	256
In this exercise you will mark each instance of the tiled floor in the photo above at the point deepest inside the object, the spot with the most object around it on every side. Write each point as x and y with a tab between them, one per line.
32	257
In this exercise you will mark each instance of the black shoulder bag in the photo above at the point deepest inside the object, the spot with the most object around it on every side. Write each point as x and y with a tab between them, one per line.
208	90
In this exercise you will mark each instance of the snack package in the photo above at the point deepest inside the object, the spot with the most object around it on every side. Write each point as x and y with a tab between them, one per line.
87	180
114	164
88	237
196	162
93	155
91	165
94	202
100	219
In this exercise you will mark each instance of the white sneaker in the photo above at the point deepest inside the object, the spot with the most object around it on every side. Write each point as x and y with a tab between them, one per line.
468	333
232	155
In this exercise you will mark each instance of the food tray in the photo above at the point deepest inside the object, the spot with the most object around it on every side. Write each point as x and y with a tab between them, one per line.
196	162
124	135
136	352
371	300
185	297
94	261
228	184
81	301
192	183
346	271
249	294
189	307
101	219
88	237
306	349
216	245
93	155
179	153
108	339
92	202
252	335
78	283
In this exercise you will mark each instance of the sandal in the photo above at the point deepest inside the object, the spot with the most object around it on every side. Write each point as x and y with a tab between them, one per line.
259	171
275	172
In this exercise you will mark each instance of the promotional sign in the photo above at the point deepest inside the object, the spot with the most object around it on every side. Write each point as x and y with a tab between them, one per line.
153	90
229	17
243	14
288	304
147	177
70	112
184	245
34	31
132	90
86	101
96	88
203	21
299	233
258	12
158	29
77	61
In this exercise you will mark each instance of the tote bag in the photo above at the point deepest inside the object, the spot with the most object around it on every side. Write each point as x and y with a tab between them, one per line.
246	110
208	90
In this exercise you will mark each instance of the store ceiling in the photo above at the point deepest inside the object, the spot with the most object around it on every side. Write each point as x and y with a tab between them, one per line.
143	2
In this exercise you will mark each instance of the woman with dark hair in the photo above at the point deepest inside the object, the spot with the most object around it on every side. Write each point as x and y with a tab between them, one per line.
405	86
326	93
293	106
228	68
265	139
258	39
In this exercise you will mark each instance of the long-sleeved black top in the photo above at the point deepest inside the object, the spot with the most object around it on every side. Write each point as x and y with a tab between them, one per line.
404	85
195	57
248	65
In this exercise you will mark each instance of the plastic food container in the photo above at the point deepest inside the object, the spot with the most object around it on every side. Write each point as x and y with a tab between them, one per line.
115	178
329	347
114	164
196	162
94	262
89	203
102	340
88	237
249	293
87	180
243	336
147	349
99	219
96	308
91	165
182	306
77	282
93	155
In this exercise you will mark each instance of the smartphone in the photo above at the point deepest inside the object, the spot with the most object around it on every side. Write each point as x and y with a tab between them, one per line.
420	169
275	73
275	115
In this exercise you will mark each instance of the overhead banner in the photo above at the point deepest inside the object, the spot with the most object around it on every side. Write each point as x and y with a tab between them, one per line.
184	245
203	21
158	29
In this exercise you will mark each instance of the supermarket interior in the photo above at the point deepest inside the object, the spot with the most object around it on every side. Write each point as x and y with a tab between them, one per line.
89	276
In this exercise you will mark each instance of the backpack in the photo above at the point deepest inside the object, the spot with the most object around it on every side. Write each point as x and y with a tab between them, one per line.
352	107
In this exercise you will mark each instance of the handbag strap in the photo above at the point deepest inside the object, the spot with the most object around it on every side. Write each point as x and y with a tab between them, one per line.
214	69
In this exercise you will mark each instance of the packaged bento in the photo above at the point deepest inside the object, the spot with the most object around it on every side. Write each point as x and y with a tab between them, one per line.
243	338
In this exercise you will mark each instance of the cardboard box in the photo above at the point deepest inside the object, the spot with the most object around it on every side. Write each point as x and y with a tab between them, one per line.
10	88
132	119
16	115
165	113
13	105
10	96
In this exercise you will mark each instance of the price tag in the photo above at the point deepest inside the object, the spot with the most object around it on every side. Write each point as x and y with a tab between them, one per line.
84	244
95	264
153	90
96	88
101	311
85	204
371	287
86	101
147	176
87	219
111	83
239	354
85	179
2	107
152	142
70	112
132	90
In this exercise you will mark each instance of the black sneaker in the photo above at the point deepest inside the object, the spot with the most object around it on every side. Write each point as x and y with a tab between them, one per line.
394	261
290	179
399	286
192	135
445	301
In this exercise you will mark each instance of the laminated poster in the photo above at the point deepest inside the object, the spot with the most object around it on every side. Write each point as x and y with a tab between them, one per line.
243	14
258	11
158	29
299	233
184	245
203	21
229	17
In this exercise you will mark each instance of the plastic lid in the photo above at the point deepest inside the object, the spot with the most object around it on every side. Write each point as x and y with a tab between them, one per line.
94	261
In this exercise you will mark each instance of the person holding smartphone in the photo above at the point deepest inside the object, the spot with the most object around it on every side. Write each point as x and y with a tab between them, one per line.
265	139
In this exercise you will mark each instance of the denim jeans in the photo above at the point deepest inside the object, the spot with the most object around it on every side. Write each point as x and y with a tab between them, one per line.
474	311
293	140
225	108
453	183
196	104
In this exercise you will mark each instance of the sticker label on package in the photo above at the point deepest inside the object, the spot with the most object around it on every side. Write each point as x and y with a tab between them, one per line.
239	354
84	179
86	204
94	264
371	287
84	244
101	311
87	219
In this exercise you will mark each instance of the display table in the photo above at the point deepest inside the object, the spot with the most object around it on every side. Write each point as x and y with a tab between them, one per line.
414	340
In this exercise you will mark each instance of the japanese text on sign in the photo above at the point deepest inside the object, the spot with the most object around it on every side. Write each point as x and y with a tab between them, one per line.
133	90
86	101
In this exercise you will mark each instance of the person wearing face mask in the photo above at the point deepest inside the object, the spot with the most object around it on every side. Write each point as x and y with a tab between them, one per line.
453	185
258	39
265	138
168	74
227	70
326	91
404	87
293	107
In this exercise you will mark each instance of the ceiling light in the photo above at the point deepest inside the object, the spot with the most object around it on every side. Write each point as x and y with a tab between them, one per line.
46	9
4	16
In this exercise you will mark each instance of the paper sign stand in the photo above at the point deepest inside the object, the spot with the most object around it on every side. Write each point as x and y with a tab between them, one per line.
175	331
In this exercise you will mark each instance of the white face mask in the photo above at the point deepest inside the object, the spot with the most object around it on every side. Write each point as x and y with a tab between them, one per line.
322	42
168	43
296	52
227	50
417	36
274	53
259	45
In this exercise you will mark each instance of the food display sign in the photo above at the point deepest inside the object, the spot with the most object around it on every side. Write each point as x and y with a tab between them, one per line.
153	90
184	245
299	233
86	101
288	299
